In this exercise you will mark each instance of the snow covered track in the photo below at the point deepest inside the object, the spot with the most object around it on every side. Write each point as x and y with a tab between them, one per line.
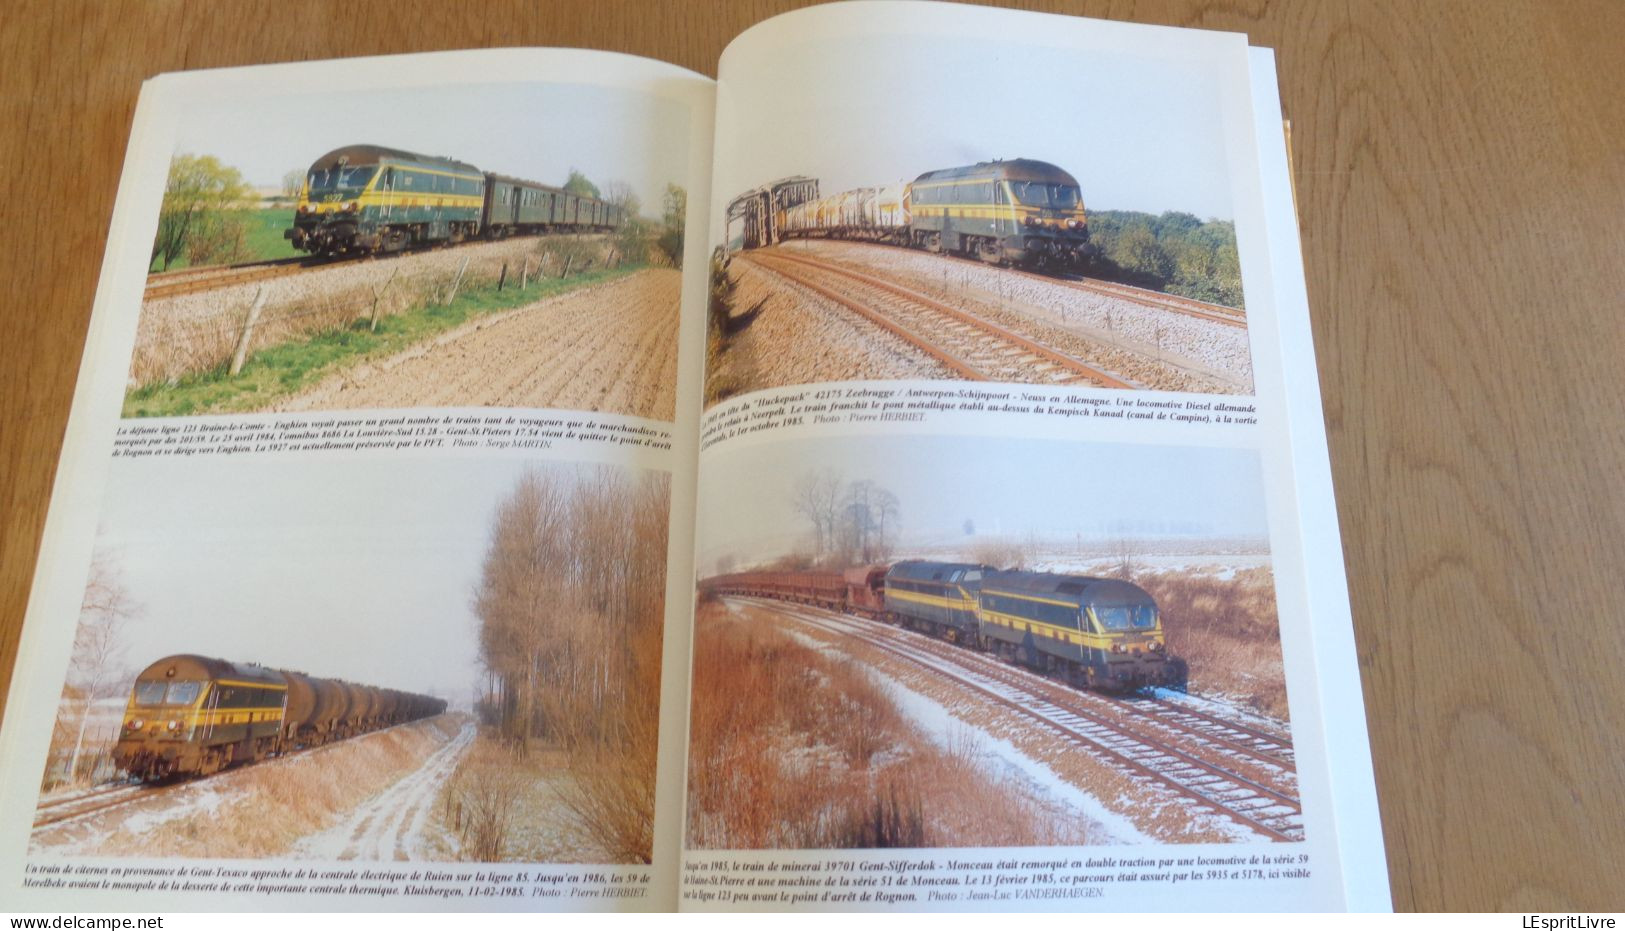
390	825
1248	785
1252	740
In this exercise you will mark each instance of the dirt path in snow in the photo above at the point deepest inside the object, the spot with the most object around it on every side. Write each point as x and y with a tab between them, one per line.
389	826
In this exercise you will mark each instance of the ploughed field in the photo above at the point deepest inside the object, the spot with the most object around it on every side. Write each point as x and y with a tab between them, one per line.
608	347
788	333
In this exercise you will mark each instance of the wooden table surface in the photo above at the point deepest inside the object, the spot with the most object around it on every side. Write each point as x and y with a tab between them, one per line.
1461	182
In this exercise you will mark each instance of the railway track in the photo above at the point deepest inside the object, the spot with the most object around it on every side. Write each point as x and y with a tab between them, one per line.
191	281
208	278
974	348
1258	803
1161	300
1145	716
1269	745
102	798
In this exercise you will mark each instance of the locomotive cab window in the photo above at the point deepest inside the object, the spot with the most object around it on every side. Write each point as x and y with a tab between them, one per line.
182	693
1126	617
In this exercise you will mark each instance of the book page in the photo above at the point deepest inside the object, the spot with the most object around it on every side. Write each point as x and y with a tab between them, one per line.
354	591
1011	593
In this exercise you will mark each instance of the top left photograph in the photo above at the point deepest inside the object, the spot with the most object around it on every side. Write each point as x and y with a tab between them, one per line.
509	244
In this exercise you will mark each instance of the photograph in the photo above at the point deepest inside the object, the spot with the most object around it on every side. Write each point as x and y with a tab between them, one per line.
440	661
1003	229
1044	643
444	247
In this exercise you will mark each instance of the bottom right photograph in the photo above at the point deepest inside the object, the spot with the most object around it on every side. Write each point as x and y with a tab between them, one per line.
967	642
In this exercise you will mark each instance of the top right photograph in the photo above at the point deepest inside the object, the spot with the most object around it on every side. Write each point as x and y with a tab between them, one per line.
1067	222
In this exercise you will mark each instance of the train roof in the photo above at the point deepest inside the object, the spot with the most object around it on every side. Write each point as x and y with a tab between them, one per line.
192	666
372	154
1083	587
1014	169
929	571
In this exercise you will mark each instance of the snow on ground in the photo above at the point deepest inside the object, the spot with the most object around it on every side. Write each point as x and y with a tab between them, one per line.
89	834
1199	818
390	825
1008	763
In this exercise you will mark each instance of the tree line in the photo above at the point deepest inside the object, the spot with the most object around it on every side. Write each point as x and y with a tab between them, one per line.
853	522
570	605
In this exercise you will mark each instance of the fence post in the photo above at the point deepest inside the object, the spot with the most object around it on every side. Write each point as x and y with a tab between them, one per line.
524	274
241	355
455	282
378	295
567	261
502	278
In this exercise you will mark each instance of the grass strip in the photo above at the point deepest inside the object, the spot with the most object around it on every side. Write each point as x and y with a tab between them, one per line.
277	372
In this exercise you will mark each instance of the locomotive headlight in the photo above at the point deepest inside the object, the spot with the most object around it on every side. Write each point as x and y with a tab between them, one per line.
174	725
1032	221
135	724
349	206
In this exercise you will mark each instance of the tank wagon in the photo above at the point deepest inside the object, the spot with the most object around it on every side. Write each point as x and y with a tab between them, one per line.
367	198
1090	632
192	715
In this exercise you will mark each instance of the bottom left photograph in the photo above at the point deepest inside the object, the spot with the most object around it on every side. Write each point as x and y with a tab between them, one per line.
422	660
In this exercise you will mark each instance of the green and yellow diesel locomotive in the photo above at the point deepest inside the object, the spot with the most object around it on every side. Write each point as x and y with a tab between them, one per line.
1018	212
1091	632
367	199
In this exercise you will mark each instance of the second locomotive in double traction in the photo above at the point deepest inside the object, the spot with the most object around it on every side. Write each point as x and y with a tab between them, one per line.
368	198
1092	632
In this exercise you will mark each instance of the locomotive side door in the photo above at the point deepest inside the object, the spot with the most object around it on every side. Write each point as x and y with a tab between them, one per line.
386	188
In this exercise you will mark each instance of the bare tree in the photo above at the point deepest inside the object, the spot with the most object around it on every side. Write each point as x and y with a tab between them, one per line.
571	602
817	496
95	668
292	183
887	509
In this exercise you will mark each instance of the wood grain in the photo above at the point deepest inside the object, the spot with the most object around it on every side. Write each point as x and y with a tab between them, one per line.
1459	172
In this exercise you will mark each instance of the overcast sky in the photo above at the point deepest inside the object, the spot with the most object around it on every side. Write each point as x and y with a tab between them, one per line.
1140	131
1007	487
534	131
358	569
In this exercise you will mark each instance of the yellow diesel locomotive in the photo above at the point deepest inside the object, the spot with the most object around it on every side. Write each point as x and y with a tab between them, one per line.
1019	211
193	715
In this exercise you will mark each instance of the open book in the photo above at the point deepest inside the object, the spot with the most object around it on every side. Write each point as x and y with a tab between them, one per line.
889	476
